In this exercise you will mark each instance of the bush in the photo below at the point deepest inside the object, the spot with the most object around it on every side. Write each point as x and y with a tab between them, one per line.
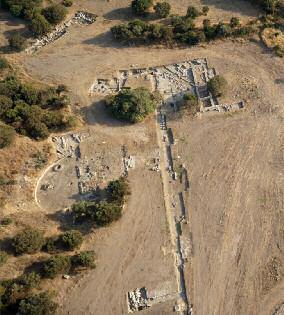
39	304
55	13
39	25
56	265
4	64
118	190
51	245
84	259
7	135
192	12
72	239
217	86
28	241
140	7
162	9
17	42
3	258
234	22
67	3
132	105
6	221
29	281
205	10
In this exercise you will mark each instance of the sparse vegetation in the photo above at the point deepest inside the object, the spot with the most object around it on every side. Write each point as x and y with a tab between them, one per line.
3	258
4	64
6	221
162	9
190	103
72	239
17	42
29	241
67	3
132	105
217	86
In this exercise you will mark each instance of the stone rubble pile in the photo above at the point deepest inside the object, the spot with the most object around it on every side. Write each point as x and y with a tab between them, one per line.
81	18
137	300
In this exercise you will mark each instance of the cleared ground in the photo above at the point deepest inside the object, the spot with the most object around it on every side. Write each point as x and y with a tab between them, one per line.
235	166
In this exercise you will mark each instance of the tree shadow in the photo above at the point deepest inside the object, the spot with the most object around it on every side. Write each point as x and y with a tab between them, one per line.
241	7
96	113
36	266
9	20
120	14
104	40
6	245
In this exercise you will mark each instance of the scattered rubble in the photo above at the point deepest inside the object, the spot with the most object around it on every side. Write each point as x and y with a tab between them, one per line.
137	300
80	17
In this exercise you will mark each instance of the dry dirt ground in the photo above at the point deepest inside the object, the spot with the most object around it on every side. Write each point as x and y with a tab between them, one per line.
235	167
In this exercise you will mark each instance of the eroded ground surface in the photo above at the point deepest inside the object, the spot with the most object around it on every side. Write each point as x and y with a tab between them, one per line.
235	166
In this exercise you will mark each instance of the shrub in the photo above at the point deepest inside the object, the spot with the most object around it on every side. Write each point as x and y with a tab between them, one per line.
55	13
29	281
162	9
50	245
4	64
17	42
39	25
217	85
6	221
118	190
205	10
84	259
28	241
72	239
67	3
190	103
56	265
132	105
192	12
7	135
39	304
105	213
3	258
140	7
234	22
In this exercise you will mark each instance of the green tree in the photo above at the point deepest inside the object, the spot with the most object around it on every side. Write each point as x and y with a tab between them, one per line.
132	105
140	7
39	304
217	85
118	190
39	25
55	13
234	22
17	42
4	64
72	239
84	259
55	265
7	135
28	241
192	12
162	9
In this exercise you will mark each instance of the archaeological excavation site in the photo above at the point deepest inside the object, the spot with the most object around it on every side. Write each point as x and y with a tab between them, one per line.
141	157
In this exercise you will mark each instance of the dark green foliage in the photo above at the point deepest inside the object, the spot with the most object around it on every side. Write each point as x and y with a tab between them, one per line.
29	241
67	3
84	259
56	265
4	64
6	221
140	7
118	190
17	42
39	304
190	102
55	13
234	22
3	258
162	9
72	239
25	108
7	135
21	8
39	25
51	245
217	86
132	105
18	288
192	12
205	10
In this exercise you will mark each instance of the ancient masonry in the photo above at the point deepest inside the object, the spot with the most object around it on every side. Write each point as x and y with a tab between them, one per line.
173	81
80	17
